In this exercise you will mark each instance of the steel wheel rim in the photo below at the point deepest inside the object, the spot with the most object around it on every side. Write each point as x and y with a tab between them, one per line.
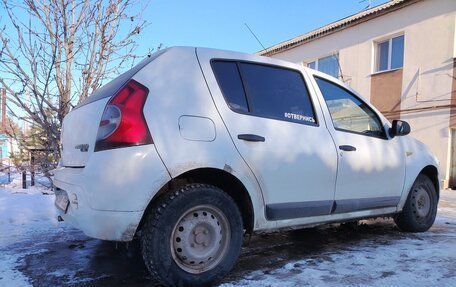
422	202
200	239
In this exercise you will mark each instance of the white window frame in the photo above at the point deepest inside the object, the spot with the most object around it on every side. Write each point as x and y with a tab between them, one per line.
390	53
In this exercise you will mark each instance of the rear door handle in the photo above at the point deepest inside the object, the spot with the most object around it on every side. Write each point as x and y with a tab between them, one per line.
251	138
347	148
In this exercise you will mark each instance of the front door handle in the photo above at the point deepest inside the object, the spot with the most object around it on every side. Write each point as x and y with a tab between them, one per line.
251	138
347	148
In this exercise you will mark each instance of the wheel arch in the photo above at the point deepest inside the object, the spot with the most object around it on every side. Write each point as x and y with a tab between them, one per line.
430	170
219	178
433	174
414	216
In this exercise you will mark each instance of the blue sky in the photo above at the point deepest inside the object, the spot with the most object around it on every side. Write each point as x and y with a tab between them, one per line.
220	24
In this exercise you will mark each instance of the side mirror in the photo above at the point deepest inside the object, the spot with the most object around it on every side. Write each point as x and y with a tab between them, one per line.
399	128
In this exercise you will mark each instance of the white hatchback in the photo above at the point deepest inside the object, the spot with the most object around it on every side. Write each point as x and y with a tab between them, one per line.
194	147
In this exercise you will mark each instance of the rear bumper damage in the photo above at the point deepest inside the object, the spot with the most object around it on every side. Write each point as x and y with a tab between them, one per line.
105	225
107	198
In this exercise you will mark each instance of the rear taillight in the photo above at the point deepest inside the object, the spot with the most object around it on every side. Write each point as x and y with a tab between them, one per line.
123	123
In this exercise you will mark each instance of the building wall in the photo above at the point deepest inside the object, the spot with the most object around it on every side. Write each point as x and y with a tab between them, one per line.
427	74
386	92
427	82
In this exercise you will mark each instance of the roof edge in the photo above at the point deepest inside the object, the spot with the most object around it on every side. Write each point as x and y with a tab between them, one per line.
338	25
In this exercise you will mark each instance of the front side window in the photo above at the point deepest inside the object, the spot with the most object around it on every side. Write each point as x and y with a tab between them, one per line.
390	54
348	112
328	65
277	93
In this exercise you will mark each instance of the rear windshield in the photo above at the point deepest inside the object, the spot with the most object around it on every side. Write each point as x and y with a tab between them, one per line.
116	84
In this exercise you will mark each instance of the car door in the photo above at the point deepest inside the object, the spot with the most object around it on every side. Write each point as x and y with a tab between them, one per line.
275	127
371	166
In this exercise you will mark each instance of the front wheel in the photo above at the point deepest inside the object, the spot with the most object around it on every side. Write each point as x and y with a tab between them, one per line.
193	236
420	209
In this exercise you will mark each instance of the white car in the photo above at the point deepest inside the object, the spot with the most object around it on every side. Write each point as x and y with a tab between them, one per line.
195	147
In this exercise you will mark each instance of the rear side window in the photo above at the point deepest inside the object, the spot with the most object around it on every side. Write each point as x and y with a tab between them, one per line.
277	93
265	91
230	83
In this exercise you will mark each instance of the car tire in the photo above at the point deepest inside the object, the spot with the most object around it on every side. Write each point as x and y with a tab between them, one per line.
420	209
192	236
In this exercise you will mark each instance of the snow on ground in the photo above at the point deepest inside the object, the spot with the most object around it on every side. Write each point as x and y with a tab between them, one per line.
36	250
419	261
24	214
389	258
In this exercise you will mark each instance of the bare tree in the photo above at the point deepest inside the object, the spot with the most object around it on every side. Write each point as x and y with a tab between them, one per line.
55	53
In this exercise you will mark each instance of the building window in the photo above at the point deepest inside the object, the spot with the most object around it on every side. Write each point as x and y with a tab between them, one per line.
312	65
390	54
328	65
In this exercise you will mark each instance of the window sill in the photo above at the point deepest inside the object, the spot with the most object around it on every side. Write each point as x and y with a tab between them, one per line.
386	71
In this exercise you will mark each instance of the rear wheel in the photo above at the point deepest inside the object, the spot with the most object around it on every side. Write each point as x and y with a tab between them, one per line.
420	209
193	236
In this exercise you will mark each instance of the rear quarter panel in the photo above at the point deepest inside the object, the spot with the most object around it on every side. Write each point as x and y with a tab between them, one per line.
177	90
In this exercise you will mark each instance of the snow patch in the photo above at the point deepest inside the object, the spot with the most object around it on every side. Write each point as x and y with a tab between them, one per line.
42	184
9	276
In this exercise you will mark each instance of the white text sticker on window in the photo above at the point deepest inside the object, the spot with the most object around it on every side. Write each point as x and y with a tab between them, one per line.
299	117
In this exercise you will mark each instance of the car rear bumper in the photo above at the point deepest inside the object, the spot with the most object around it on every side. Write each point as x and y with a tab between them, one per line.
105	225
107	198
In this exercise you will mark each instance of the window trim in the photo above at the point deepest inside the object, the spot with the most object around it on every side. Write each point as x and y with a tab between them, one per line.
377	43
385	71
245	86
384	136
